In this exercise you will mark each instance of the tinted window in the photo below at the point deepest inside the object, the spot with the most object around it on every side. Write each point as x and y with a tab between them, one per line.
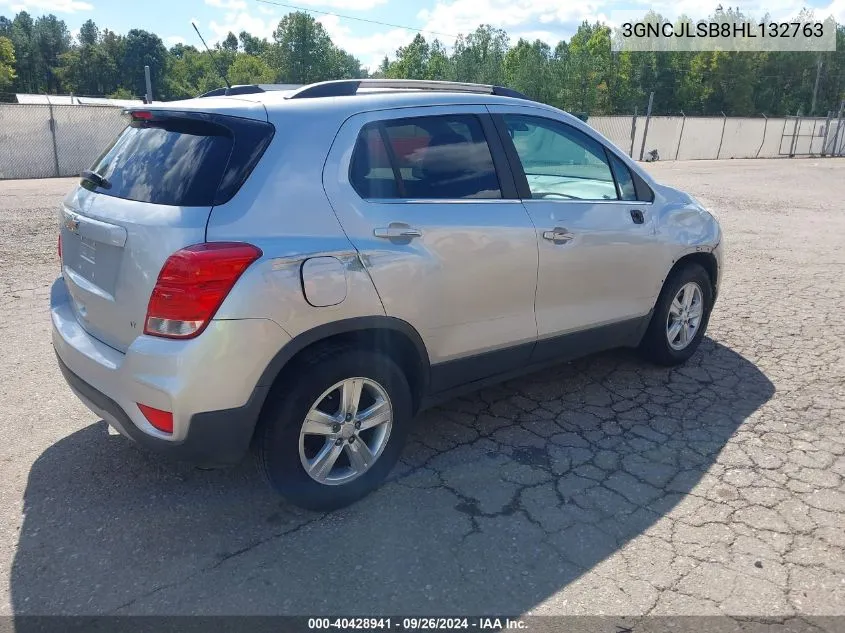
181	160
427	157
627	189
559	161
370	171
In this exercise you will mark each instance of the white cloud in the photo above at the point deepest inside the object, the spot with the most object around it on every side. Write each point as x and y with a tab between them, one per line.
266	10
54	6
463	16
369	49
353	5
231	5
695	9
241	21
173	40
836	9
548	37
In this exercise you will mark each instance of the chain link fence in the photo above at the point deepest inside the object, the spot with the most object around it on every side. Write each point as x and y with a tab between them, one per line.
43	141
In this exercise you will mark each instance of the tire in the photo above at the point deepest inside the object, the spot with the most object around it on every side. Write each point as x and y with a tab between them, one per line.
655	345
281	449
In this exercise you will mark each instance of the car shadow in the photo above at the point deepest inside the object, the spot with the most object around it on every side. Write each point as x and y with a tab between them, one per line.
502	499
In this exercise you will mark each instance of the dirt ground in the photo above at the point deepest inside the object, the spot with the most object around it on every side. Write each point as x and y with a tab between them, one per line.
604	486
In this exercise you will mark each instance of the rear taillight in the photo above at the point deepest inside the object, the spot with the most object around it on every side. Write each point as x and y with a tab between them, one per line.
192	284
162	420
60	248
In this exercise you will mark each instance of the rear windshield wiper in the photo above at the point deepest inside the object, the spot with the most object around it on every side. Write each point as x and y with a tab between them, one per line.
97	179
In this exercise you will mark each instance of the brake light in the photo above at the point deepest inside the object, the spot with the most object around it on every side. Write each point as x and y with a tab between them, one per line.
192	284
142	114
162	420
60	248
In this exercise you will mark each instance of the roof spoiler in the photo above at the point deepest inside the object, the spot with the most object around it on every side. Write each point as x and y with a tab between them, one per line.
249	89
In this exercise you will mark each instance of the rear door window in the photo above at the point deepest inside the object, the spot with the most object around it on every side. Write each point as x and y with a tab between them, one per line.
181	160
437	157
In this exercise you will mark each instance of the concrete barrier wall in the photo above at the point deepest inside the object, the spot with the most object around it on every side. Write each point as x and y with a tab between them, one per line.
617	129
700	138
33	147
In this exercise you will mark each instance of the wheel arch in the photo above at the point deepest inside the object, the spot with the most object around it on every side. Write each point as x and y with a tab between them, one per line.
393	336
706	259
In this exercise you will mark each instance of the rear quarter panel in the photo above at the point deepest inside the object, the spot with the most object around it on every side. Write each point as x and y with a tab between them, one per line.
283	209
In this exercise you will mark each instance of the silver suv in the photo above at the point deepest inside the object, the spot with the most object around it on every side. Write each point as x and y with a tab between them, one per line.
301	271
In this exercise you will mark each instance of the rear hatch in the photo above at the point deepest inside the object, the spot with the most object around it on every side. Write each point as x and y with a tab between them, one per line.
149	195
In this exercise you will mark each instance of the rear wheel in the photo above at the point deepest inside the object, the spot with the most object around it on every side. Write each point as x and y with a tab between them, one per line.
335	428
680	316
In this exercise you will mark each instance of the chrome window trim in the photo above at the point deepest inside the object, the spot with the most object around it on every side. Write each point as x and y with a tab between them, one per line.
589	201
496	200
438	200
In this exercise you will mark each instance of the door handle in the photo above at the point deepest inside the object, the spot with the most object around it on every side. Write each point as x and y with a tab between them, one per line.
558	235
637	216
397	231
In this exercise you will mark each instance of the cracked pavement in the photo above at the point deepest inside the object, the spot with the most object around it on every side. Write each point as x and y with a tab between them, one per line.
604	486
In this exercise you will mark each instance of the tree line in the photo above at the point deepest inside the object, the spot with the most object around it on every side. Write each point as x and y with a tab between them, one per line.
581	74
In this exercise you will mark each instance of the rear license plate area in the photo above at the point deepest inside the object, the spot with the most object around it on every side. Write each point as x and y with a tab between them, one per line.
88	251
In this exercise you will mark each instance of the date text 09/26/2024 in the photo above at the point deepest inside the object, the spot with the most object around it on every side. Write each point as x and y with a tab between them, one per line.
417	624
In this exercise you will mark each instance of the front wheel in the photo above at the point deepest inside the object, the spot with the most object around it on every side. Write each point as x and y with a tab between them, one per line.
680	316
336	428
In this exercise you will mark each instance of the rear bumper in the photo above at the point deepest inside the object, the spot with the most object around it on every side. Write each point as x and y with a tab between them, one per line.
212	384
214	437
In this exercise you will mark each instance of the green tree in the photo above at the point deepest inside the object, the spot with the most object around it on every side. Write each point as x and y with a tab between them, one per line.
527	68
20	33
89	34
7	63
479	56
249	69
439	65
190	73
112	46
412	60
345	66
51	39
253	45
88	69
303	52
230	44
142	48
302	49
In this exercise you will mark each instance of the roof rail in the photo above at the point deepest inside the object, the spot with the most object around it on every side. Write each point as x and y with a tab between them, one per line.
249	89
349	87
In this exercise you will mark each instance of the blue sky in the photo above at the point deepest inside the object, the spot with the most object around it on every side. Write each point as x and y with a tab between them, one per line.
549	20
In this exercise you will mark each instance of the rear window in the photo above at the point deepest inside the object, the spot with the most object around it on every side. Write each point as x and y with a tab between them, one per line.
181	159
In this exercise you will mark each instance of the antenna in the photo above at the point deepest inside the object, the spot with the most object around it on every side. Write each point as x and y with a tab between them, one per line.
219	68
